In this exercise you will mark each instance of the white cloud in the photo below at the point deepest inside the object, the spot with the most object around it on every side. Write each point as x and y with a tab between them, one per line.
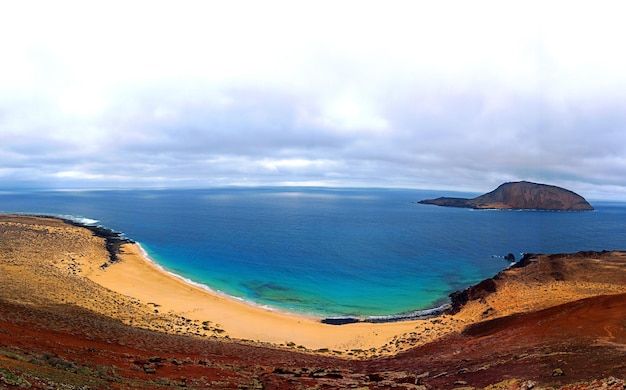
366	93
76	175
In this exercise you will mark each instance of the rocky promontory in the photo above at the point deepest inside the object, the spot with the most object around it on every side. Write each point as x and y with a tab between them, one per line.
521	195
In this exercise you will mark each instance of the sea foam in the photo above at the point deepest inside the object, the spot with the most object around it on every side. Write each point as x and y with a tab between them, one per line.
147	257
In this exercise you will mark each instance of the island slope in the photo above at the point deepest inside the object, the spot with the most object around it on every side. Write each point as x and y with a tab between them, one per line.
520	195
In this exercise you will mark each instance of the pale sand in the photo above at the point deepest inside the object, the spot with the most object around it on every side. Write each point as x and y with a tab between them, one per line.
64	263
139	278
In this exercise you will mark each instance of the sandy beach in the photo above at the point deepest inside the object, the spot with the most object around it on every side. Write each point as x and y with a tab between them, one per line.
65	262
138	277
142	294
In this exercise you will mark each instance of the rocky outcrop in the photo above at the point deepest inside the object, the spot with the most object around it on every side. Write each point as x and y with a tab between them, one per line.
113	240
520	195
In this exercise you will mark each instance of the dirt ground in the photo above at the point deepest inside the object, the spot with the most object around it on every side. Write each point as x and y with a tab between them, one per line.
556	321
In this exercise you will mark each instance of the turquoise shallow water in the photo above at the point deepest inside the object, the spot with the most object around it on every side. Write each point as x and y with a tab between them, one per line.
328	251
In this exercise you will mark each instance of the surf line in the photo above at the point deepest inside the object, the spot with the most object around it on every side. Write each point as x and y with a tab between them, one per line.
416	315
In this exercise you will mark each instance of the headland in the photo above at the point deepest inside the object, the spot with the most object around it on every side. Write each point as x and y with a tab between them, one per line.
546	320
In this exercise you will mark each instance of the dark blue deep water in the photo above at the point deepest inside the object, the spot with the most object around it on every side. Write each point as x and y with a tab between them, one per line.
328	251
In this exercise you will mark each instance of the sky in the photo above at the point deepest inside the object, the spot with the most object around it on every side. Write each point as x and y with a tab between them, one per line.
456	95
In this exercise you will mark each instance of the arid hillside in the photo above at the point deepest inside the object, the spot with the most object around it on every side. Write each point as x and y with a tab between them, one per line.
553	321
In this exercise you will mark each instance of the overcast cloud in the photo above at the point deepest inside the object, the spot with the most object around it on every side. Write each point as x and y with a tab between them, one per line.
451	95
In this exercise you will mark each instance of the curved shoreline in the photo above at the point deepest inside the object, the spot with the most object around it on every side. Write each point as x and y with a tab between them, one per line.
527	319
65	260
146	256
329	320
173	305
141	279
115	240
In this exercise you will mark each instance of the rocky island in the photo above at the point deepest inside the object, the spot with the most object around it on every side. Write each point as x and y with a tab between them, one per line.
521	195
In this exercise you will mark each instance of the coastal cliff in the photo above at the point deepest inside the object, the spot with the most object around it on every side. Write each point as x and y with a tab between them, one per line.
522	195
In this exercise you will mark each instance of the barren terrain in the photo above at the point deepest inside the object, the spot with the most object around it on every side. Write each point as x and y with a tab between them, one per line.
552	321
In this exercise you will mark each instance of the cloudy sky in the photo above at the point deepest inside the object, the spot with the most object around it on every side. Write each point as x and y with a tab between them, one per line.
448	95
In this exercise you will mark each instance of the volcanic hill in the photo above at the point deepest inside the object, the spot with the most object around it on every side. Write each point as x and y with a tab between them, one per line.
522	195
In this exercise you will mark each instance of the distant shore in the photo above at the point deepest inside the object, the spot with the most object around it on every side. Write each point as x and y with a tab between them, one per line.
66	261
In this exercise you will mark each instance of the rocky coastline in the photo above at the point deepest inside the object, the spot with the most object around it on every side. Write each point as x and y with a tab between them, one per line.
113	239
549	321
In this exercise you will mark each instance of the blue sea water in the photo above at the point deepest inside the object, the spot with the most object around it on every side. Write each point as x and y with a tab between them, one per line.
325	251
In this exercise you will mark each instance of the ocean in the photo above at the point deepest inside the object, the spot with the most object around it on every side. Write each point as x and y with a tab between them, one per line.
326	251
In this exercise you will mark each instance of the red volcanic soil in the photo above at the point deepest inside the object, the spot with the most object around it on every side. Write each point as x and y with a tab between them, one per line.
578	341
555	321
77	347
573	342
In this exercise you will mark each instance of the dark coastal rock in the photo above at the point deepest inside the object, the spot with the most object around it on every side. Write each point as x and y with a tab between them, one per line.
525	260
113	240
414	315
522	195
560	267
458	299
481	290
340	320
